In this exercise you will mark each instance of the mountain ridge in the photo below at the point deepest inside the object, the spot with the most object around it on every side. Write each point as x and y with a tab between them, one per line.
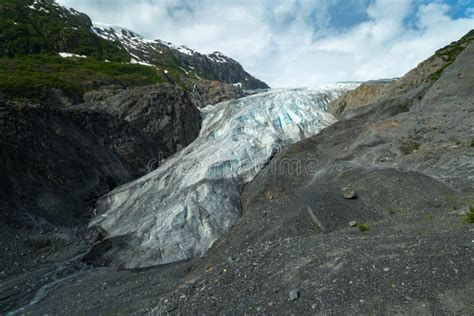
214	66
40	39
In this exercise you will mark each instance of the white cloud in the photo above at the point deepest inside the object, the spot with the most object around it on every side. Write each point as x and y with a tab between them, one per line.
292	42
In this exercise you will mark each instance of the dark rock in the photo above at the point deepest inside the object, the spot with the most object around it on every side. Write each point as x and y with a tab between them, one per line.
56	162
294	294
160	112
49	175
206	92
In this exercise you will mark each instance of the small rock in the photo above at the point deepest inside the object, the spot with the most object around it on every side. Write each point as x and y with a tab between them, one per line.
348	193
352	223
314	306
294	295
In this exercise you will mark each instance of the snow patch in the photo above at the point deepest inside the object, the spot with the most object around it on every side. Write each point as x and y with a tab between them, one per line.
70	55
139	62
134	42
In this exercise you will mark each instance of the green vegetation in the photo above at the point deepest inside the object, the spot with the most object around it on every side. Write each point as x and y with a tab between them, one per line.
392	210
395	208
469	218
452	199
25	77
415	147
448	196
363	227
472	143
450	52
405	107
32	33
49	28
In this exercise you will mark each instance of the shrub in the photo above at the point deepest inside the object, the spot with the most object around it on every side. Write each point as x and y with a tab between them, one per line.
415	147
363	227
469	218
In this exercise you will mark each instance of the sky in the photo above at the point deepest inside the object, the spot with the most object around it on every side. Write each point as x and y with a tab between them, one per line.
289	43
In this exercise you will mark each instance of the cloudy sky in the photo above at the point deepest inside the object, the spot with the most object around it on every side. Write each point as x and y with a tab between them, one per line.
298	42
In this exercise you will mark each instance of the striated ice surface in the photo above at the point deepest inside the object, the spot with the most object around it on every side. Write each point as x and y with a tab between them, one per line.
177	211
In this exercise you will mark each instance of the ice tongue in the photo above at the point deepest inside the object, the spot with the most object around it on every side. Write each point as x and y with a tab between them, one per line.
177	211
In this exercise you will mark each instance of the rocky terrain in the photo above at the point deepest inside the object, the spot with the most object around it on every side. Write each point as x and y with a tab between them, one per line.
409	161
365	94
373	214
380	222
72	129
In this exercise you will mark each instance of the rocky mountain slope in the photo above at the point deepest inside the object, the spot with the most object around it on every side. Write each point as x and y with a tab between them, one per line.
372	214
55	55
378	223
215	66
78	117
425	73
87	93
56	162
400	171
366	93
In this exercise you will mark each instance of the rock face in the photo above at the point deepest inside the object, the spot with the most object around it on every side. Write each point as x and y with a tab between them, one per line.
163	114
207	92
56	162
179	210
51	169
366	93
424	74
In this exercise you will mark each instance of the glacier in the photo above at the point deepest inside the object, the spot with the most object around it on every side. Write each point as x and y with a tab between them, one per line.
177	211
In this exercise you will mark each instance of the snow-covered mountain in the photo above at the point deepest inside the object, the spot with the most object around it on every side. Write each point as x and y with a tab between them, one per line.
177	211
215	66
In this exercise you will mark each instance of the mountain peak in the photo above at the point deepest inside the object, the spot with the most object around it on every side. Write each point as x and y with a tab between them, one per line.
180	58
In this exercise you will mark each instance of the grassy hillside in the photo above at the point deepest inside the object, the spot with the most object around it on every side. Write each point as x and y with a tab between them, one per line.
25	77
33	32
32	27
450	52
